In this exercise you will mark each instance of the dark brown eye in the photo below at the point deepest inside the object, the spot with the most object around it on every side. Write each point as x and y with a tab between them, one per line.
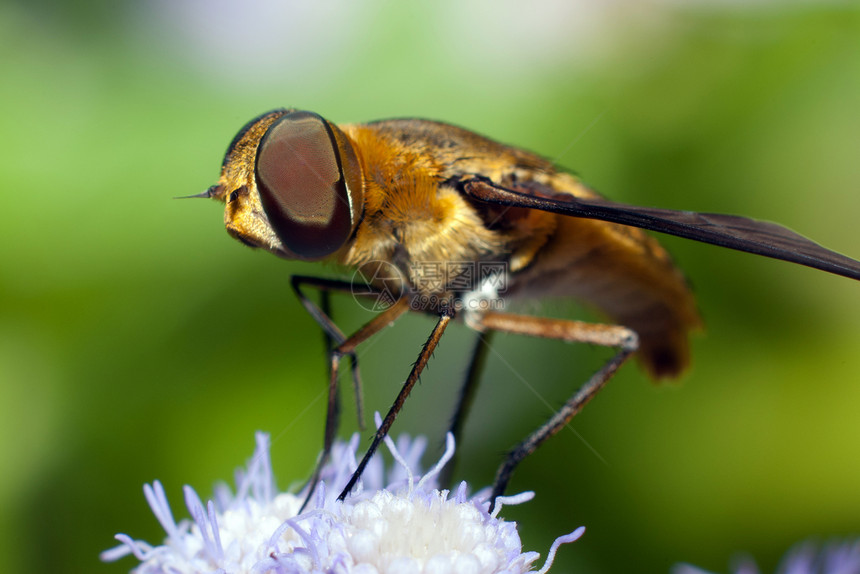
309	183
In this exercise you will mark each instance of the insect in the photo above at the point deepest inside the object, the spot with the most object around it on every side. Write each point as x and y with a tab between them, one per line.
447	222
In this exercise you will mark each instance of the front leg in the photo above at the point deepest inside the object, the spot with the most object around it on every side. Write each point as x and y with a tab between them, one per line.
332	335
343	346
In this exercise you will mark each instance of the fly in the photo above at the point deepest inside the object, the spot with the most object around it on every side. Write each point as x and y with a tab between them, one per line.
444	221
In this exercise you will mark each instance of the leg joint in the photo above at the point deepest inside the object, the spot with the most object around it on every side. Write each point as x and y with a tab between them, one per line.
629	340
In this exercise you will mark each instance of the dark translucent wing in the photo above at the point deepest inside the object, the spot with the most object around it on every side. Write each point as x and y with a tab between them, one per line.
732	231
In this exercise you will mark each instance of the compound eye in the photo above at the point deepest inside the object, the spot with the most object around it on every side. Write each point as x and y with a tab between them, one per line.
300	177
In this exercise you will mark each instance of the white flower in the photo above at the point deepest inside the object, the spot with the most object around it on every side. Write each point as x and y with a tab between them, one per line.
391	523
803	558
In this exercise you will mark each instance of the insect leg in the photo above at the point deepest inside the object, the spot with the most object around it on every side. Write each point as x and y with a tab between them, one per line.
347	347
445	317
617	336
325	285
332	336
331	333
358	393
325	307
467	397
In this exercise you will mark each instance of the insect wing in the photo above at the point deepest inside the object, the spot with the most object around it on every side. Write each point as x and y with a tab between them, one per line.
732	231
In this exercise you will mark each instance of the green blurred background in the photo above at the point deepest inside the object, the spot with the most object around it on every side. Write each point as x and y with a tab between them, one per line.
138	341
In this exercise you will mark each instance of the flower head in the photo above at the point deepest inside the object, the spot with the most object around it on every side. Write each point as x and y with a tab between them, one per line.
804	558
392	522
